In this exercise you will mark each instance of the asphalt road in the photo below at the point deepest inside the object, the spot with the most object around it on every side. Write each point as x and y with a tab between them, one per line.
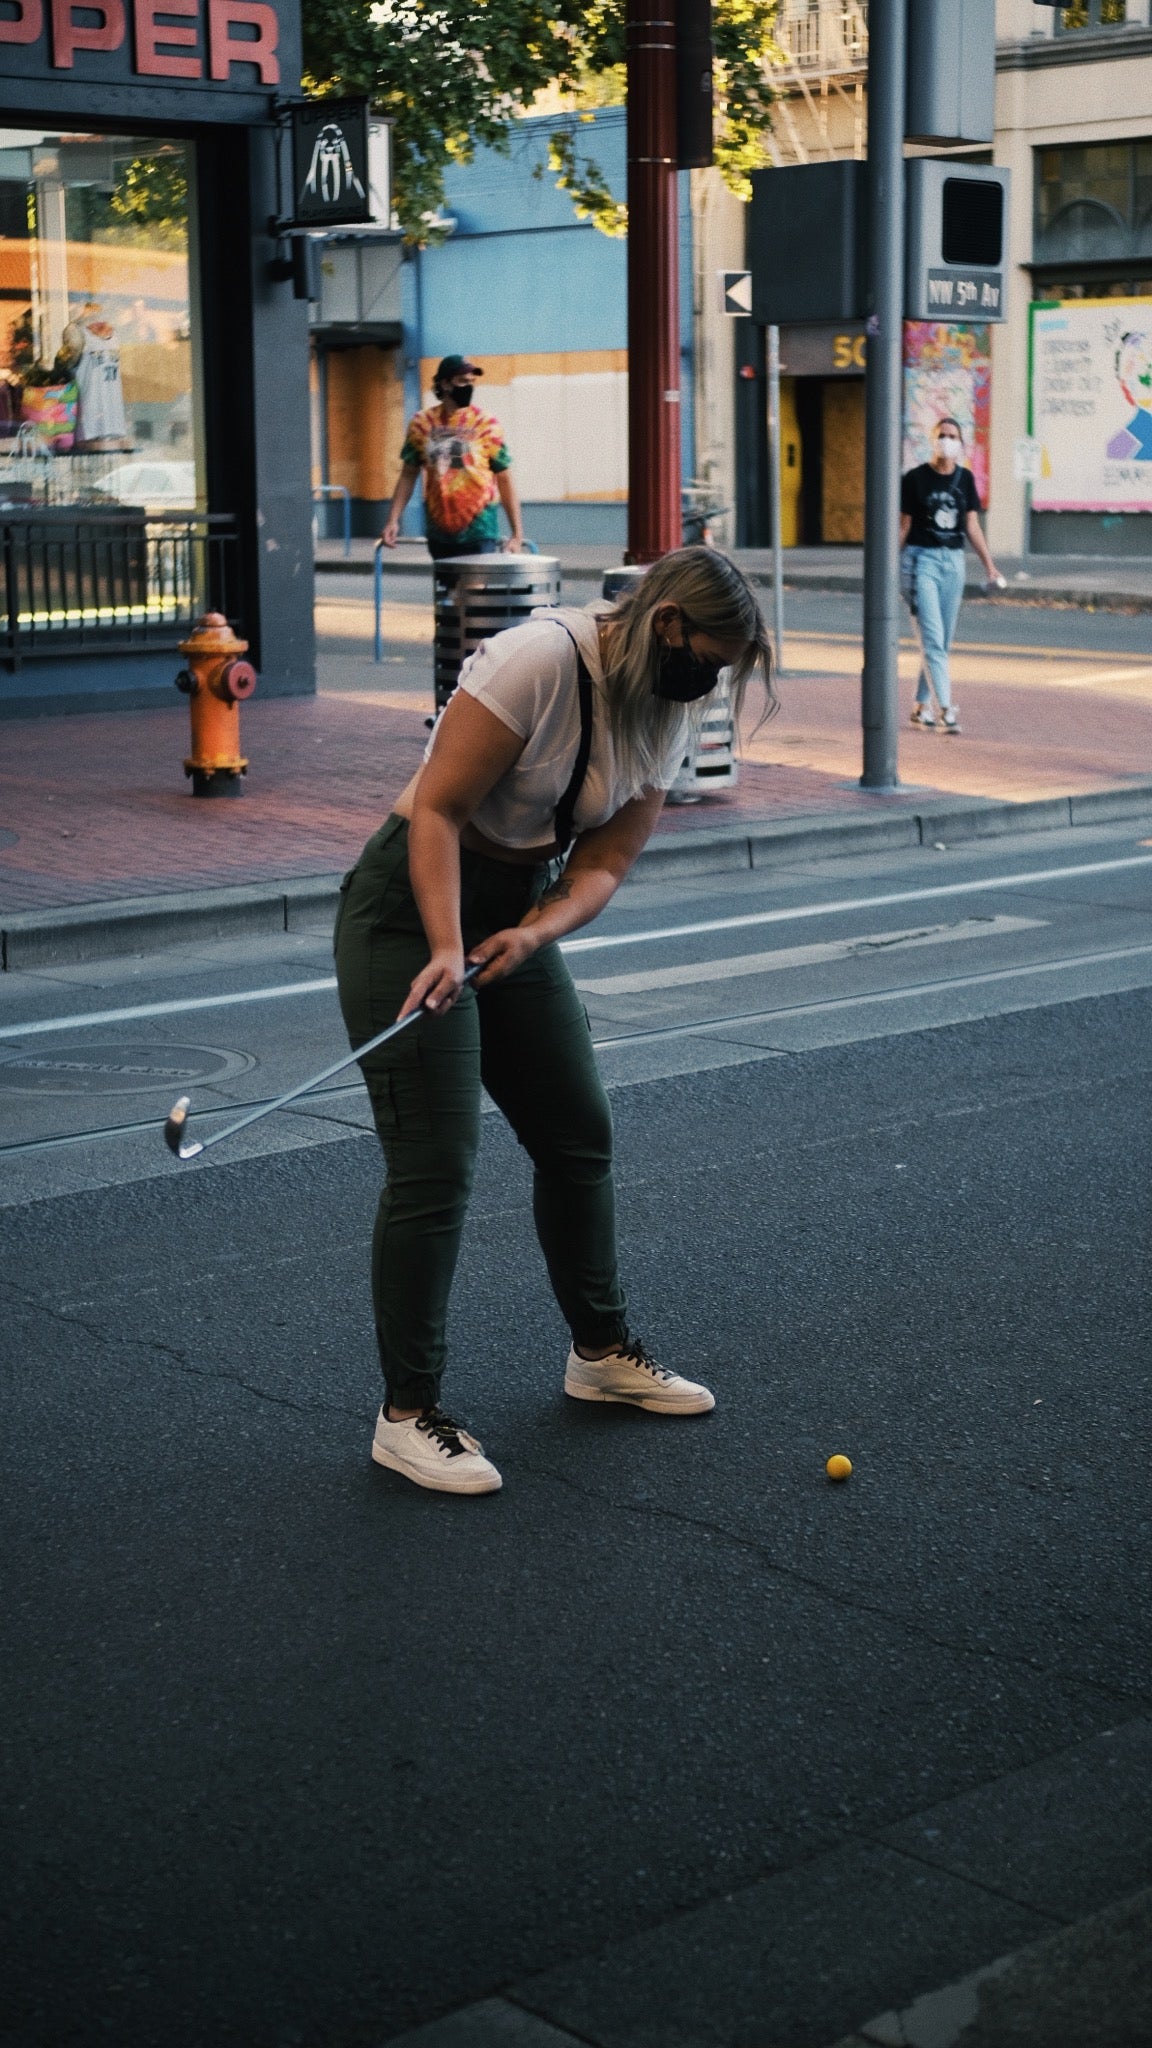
671	1744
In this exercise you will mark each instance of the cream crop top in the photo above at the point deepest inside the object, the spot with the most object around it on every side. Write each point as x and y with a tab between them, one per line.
527	678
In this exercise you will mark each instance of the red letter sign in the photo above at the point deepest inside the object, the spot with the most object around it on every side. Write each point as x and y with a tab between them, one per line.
151	60
226	50
69	35
28	23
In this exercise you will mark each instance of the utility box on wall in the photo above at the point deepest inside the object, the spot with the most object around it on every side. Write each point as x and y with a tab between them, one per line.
951	71
957	222
806	244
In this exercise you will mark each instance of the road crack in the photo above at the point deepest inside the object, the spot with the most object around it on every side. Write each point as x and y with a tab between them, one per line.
853	1602
176	1359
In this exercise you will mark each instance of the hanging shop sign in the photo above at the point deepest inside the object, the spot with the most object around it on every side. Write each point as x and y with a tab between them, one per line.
107	55
330	170
948	374
1091	405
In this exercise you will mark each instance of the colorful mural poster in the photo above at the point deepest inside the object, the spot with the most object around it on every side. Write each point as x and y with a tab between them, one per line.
1092	405
948	371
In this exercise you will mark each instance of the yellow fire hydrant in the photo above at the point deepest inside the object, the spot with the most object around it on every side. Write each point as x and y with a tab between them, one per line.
215	683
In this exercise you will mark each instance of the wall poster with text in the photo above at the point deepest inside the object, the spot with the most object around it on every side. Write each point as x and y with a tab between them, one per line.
1091	409
948	373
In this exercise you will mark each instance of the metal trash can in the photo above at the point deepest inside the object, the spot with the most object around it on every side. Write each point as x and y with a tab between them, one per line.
711	765
617	581
475	596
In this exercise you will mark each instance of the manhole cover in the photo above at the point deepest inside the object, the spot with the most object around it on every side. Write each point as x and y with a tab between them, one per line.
116	1069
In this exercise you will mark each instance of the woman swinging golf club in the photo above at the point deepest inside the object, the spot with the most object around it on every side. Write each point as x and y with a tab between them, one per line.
575	723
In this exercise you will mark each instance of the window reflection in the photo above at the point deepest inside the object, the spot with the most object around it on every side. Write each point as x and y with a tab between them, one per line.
97	355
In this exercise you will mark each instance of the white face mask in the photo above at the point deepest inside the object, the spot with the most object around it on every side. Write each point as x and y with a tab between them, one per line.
948	446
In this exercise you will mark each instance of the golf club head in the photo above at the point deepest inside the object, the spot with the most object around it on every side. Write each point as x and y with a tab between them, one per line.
174	1131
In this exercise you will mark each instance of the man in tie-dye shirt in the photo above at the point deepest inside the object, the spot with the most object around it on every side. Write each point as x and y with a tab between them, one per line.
461	452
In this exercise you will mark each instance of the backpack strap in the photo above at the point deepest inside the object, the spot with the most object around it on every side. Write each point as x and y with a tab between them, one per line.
566	807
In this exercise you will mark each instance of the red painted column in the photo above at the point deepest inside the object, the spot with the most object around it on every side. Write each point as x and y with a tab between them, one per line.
654	522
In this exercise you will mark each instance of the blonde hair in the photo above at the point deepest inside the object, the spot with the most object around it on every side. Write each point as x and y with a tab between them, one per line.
718	600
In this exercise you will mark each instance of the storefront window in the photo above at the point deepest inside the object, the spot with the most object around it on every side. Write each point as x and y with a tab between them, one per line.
98	372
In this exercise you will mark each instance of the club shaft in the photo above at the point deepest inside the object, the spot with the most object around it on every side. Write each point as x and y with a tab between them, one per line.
338	1067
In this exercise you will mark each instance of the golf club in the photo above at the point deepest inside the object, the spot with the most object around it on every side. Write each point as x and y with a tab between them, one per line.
176	1126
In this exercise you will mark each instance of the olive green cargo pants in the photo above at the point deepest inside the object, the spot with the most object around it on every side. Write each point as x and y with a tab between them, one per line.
526	1039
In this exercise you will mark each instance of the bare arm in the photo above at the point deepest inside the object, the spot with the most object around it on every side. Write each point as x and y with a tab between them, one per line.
405	485
905	526
473	750
510	499
976	537
598	864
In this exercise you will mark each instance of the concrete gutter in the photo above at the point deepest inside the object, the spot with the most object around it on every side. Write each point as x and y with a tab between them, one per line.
157	924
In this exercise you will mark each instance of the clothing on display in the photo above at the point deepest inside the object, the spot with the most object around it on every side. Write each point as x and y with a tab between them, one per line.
90	347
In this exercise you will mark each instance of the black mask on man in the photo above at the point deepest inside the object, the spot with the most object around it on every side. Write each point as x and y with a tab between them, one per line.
682	676
461	394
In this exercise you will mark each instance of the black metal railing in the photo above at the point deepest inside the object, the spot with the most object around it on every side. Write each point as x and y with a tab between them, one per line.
91	580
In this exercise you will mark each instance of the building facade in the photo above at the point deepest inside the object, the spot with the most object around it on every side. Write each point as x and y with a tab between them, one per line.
1072	366
1062	388
153	392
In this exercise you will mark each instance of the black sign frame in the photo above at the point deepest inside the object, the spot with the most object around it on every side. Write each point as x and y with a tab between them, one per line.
330	177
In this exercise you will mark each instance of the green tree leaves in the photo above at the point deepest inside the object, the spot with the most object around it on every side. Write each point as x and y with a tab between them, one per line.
453	75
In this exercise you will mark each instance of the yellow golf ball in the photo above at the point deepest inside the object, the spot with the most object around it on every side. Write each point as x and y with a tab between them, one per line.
838	1467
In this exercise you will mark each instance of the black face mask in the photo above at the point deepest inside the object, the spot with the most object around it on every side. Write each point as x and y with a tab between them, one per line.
683	676
461	394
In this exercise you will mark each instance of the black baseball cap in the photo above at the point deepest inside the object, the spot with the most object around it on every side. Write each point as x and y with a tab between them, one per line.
456	366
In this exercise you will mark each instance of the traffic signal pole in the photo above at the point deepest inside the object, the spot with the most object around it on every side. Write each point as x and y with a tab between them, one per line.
654	516
883	394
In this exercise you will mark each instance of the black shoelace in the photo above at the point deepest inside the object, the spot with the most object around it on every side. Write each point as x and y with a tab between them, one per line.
636	1352
435	1423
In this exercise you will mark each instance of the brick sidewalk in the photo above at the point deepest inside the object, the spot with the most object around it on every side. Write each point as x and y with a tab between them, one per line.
96	808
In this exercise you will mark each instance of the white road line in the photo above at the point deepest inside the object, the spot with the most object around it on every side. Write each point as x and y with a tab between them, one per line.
884	995
140	1011
871	943
846	903
1094	677
180	1009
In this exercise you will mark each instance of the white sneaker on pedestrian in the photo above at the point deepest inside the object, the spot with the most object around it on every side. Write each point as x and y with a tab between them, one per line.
634	1378
922	715
434	1451
951	719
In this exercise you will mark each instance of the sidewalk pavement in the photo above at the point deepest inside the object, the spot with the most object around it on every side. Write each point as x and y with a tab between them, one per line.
103	850
1099	582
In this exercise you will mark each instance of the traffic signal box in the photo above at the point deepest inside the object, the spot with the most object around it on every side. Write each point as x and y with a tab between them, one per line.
806	237
806	246
954	247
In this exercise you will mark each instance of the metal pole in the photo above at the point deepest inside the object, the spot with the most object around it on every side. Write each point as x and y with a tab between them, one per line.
654	515
774	493
377	600
883	391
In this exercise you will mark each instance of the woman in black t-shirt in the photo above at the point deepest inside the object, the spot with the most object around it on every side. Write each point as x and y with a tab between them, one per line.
938	508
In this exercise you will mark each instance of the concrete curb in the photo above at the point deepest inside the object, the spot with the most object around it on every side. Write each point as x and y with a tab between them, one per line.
849	584
155	924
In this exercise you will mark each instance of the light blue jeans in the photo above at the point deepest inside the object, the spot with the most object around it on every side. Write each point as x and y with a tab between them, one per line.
934	579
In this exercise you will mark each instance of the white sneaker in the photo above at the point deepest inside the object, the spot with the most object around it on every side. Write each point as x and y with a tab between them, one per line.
951	719
434	1451
634	1378
922	715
